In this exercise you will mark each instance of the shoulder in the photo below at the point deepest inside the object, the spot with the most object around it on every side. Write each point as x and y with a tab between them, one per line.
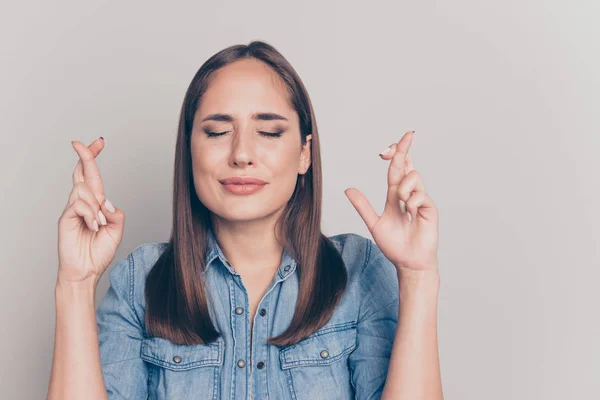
146	255
139	261
130	272
366	264
360	252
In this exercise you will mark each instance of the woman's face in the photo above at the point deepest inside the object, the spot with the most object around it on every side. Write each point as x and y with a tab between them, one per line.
231	105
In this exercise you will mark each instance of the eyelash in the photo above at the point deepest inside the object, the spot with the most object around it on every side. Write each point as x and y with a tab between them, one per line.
267	134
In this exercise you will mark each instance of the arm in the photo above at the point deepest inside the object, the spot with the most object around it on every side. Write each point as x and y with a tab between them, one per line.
76	371
406	233
97	352
414	356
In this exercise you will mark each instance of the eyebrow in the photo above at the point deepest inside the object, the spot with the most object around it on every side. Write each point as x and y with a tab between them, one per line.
264	116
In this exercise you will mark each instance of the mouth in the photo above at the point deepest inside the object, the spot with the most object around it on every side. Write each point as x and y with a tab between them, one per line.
243	189
242	180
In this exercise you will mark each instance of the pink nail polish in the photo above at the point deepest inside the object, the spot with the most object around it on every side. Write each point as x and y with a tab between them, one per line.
109	206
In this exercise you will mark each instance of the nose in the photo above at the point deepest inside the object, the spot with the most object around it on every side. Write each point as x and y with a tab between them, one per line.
242	149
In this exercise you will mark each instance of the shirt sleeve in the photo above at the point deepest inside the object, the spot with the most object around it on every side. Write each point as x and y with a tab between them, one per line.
120	334
376	325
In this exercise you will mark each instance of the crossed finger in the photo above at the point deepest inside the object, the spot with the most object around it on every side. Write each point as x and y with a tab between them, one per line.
87	170
398	170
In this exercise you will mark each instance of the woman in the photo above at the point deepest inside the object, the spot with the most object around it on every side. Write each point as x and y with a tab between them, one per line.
249	299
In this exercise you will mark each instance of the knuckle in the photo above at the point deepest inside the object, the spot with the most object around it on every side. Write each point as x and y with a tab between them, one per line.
403	192
412	202
79	186
78	203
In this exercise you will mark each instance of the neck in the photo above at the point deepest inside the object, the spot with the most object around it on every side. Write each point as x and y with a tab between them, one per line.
250	247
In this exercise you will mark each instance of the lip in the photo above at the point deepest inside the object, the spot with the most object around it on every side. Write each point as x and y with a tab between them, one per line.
243	184
243	189
242	180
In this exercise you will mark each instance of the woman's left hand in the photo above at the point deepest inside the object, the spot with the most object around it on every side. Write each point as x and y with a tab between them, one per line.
408	239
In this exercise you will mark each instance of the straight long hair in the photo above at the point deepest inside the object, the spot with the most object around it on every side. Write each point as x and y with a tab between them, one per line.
177	307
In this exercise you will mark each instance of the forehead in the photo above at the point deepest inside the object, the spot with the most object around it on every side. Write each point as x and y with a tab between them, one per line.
243	87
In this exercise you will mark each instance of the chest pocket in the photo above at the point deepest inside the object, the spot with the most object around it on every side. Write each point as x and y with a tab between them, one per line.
317	366
182	371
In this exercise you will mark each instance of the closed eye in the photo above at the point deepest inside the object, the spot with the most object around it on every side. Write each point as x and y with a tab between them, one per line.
268	134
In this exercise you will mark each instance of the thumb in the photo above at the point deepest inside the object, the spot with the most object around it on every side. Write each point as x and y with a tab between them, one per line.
363	207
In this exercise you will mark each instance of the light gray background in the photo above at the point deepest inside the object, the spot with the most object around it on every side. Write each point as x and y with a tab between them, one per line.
504	98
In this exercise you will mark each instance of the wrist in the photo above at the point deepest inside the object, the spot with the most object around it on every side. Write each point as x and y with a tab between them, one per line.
85	288
419	282
410	274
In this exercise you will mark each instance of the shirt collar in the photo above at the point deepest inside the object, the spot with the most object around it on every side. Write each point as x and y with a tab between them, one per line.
287	266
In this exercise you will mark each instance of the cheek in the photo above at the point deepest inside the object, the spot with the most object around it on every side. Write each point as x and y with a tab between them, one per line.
204	164
284	160
204	157
199	168
285	174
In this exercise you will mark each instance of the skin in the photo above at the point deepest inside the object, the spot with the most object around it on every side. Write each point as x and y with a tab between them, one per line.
244	224
410	242
407	234
84	253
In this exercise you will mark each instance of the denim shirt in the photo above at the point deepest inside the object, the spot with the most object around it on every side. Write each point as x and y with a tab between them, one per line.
347	358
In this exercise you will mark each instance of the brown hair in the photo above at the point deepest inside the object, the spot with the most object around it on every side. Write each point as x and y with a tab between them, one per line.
176	304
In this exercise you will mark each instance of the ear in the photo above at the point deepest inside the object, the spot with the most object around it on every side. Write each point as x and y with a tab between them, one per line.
305	156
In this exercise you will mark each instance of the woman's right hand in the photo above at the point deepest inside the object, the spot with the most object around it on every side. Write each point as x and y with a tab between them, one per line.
84	253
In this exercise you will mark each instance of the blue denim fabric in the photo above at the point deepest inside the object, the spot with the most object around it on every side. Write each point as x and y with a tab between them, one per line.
347	358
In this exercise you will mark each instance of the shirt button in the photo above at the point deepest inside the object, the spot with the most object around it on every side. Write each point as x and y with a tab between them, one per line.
177	359
324	354
239	310
262	312
286	268
260	365
241	363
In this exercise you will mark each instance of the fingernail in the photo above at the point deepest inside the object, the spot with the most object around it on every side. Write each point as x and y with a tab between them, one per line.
409	217
385	151
109	206
96	225
102	138
101	217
